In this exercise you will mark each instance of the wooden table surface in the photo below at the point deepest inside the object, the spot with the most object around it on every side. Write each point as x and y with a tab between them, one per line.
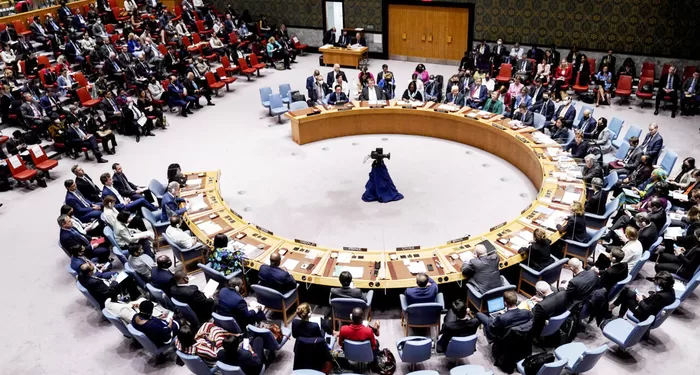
387	268
343	56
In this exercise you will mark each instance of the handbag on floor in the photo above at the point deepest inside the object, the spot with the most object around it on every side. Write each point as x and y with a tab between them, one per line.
534	363
274	328
384	363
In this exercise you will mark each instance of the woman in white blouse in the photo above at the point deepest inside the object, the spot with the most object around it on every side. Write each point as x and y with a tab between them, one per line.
633	248
181	29
543	71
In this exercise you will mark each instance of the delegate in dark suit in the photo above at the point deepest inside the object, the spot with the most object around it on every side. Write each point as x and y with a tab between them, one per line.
347	292
98	289
334	98
483	272
189	294
276	278
669	84
569	115
454	99
377	90
498	326
162	279
125	187
422	295
330	77
595	204
482	93
88	188
82	206
545	108
71	237
581	286
526	118
72	53
453	327
652	146
587	126
232	304
612	275
538	256
552	305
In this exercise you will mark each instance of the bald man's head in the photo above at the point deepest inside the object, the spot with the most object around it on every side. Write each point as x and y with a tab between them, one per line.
480	250
275	260
357	315
543	288
575	265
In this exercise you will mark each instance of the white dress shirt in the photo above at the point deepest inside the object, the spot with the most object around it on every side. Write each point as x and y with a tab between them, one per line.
179	237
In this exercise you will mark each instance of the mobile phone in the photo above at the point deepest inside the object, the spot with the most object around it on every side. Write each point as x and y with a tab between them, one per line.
246	344
430	267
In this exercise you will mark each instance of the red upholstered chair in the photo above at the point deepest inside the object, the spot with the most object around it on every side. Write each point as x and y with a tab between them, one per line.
42	78
624	87
213	83
645	95
255	64
19	170
233	38
162	49
82	81
505	73
688	72
109	28
21	28
178	14
40	160
202	29
23	69
591	65
221	72
647	73
648	65
43	60
86	100
115	11
227	65
578	88
299	46
244	68
190	47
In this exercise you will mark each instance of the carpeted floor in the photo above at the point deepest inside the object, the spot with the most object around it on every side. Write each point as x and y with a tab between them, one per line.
50	329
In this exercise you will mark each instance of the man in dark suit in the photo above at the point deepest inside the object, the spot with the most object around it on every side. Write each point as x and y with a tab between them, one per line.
85	209
78	21
545	107
653	143
330	77
609	61
615	273
426	290
499	53
523	68
582	284
478	94
161	277
34	116
372	91
79	137
70	238
482	271
113	69
190	294
170	203
591	169
310	82
337	96
567	111
123	203
329	36
197	90
535	53
457	323
587	124
125	187
657	212
549	304
231	303
646	229
689	94
347	290
344	39
359	39
524	115
274	277
99	290
513	317
85	184
537	91
595	203
669	84
73	52
454	96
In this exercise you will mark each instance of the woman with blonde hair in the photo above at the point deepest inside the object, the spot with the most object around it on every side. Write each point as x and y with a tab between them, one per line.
303	327
575	226
275	51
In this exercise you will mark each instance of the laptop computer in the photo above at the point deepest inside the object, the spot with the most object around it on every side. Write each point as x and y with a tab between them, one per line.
496	306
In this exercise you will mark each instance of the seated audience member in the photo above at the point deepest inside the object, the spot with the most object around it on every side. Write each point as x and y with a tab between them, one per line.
686	177
191	295
591	169
524	115
205	343
587	124
575	227
493	104
482	271
426	290
250	360
102	290
347	290
274	277
179	236
538	254
78	258
683	261
337	96
617	271
549	304
544	107
497	327
601	136
412	93
562	77
536	92
77	138
643	307
653	143
302	327
581	66
595	203
319	90
578	148
85	185
454	97
171	202
69	237
372	92
388	85
157	329
333	74
457	323
560	133
477	94
231	303
91	229
224	259
689	94
356	331
161	277
127	232
126	311
632	249
604	83
669	85
523	69
582	284
125	187
123	203
140	262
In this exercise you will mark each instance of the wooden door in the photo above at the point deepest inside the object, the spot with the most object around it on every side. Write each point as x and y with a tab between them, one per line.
428	31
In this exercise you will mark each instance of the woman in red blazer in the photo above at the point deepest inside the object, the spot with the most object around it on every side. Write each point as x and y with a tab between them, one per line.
562	76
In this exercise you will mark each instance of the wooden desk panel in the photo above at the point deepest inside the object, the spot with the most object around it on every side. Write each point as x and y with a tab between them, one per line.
343	56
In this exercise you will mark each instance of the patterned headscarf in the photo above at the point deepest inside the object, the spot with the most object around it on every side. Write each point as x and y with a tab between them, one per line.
660	174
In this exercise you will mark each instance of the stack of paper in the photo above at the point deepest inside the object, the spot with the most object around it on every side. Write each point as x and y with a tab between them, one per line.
673	232
526	235
517	242
313	254
290	264
417	267
466	256
570	197
557	217
679	196
446	107
196	182
197	203
630	193
210	288
209	227
344	258
543	138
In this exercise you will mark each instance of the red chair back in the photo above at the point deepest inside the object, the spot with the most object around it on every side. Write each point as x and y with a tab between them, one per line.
225	62
178	11
591	65
253	59
38	155
221	72
16	164
688	71
80	78
506	70
84	95
114	38
643	81
242	63
196	39
165	83
664	70
210	78
3	26
648	65
233	38
624	83
23	67
648	73
161	48
43	60
109	28
19	26
42	77
186	41
200	26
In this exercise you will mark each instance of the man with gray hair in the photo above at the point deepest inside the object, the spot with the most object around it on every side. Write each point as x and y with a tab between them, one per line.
587	124
549	304
592	169
482	271
595	203
34	115
582	284
171	202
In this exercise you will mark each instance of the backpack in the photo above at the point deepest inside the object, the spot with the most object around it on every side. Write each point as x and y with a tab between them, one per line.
534	363
274	328
384	363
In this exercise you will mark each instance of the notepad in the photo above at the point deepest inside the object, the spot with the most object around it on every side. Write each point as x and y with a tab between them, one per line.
209	227
344	258
630	193
570	198
290	264
197	203
121	276
673	232
193	182
210	288
417	267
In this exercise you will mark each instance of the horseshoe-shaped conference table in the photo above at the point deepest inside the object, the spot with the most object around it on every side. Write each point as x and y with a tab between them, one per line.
536	155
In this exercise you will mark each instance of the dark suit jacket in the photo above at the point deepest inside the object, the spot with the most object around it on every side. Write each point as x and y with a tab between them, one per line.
231	304
663	82
98	289
78	206
552	305
688	82
511	318
189	294
648	235
539	255
333	98
122	184
330	77
276	278
519	64
171	203
347	292
614	274
589	173
71	51
70	238
651	305
595	204
653	146
483	92
587	126
659	219
162	279
89	190
459	100
538	98
483	272
581	286
329	37
453	327
361	42
569	116
422	295
305	328
378	90
527	118
575	229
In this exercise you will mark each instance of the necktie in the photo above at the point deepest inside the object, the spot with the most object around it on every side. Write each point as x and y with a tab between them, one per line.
137	113
36	112
116	193
195	85
196	73
80	132
670	82
77	50
114	106
75	232
692	87
81	198
89	181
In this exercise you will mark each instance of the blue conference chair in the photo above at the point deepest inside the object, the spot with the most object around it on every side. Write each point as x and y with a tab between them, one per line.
617	288
153	217
226	322
210	273
225	369
583	250
550	274
626	334
421	314
690	287
615	126
265	93
579	114
414	349
594	221
186	311
638	266
186	256
117	322
342	308
578	357
72	272
479	300
470	370
147	344
87	295
269	342
554	324
619	154
160	297
358	351
195	364
632	131
609	182
157	188
552	368
660	317
120	253
668	161
656	244
277	107
538	121
295	106
460	347
139	280
285	93
278	302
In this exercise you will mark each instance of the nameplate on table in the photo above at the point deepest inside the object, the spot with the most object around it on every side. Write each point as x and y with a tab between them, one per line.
458	240
350	248
498	126
264	230
521	139
308	243
408	248
344	107
315	112
498	226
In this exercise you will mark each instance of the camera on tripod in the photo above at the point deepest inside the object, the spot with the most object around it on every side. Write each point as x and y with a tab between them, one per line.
378	154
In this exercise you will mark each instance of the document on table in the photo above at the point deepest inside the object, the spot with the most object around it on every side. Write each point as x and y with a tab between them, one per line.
466	256
673	232
518	242
542	138
197	203
313	254
193	182
209	227
570	197
555	218
210	288
447	107
525	235
630	193
417	267
344	258
290	264
356	272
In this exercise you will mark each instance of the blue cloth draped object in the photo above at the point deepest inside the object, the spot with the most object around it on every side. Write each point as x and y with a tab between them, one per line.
380	187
